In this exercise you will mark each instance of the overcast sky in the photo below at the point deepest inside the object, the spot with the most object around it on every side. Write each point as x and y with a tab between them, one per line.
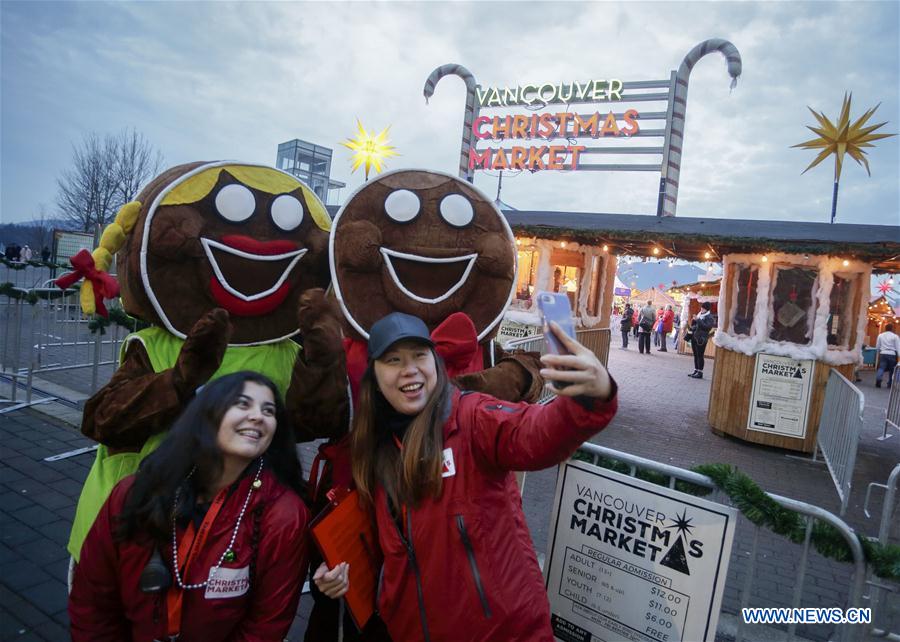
224	80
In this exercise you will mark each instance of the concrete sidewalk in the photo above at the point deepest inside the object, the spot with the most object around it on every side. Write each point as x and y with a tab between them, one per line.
662	416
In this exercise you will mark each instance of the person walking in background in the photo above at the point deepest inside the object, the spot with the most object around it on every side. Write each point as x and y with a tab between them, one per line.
635	318
45	254
27	254
699	331
625	323
888	346
677	328
657	327
665	321
646	318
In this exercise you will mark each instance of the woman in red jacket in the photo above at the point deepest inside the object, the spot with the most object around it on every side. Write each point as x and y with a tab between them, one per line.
436	466
208	540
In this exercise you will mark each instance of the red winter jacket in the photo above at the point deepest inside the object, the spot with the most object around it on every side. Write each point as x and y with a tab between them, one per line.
107	605
470	551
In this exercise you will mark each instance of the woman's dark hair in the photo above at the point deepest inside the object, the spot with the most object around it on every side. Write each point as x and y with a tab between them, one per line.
192	442
413	473
706	305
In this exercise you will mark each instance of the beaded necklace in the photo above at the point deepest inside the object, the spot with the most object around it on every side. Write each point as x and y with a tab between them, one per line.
228	550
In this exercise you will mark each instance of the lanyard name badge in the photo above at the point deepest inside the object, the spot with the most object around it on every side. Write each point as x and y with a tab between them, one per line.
192	543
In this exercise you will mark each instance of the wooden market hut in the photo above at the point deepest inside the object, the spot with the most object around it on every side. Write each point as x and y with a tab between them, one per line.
791	291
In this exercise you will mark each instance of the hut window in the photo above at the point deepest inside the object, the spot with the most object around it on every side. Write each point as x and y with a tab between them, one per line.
746	278
594	295
841	308
566	273
528	265
793	304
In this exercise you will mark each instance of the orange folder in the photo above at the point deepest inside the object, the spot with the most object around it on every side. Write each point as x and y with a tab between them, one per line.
345	532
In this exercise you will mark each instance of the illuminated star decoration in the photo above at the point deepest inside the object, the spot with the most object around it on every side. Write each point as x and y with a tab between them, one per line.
368	149
842	138
682	523
885	286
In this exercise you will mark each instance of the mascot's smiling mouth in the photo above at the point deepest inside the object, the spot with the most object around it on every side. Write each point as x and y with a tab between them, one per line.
412	266
273	259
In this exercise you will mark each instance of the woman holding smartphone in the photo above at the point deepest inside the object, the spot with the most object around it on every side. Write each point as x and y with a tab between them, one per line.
208	540
435	465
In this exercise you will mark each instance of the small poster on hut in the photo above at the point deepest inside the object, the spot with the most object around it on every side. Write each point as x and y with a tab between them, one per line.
780	399
630	560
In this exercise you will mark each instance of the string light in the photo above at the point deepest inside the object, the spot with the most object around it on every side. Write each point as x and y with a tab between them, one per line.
846	262
606	248
518	241
707	256
656	250
562	244
765	259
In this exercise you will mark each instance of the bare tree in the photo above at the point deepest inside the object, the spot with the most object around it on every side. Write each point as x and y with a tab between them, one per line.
105	174
137	163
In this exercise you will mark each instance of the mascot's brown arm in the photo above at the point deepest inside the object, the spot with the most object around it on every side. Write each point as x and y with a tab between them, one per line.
318	400
516	377
135	404
138	402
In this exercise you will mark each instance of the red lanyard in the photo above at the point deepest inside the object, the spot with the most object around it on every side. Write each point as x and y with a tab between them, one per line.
191	545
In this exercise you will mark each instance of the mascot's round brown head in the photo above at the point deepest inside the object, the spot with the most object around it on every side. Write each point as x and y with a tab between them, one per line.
243	237
424	243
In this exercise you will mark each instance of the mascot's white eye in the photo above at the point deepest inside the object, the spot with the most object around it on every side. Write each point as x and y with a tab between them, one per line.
235	203
402	205
287	212
457	210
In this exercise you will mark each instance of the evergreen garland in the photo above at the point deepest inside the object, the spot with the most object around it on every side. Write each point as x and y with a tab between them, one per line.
762	510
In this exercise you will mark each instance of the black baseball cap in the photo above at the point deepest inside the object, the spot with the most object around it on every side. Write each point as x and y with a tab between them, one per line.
394	327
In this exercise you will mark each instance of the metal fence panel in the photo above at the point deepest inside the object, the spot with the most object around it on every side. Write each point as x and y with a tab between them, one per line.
839	429
892	412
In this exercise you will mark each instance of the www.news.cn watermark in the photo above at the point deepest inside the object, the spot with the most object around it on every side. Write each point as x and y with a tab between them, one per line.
783	615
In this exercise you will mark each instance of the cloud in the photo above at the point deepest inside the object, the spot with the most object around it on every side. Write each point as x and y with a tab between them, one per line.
231	80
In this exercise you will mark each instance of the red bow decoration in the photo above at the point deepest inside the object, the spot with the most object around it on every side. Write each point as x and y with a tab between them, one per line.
105	286
456	341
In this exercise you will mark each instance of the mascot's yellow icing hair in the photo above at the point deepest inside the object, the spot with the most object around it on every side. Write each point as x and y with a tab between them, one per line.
191	190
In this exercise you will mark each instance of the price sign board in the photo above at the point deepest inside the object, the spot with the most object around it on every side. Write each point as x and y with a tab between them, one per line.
630	560
780	399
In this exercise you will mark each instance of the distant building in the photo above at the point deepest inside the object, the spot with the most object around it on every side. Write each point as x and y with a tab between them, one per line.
310	163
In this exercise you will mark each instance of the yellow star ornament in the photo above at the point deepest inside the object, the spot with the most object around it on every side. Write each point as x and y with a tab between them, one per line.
368	149
843	138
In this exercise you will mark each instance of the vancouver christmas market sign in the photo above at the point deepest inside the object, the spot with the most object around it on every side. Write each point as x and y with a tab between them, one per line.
543	128
546	127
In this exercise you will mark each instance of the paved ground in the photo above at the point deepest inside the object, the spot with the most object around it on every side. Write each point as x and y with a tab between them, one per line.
662	416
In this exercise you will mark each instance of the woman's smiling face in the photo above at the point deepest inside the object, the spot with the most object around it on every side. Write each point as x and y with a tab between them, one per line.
247	428
406	374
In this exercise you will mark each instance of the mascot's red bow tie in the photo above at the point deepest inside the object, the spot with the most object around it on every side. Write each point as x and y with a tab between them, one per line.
105	287
456	340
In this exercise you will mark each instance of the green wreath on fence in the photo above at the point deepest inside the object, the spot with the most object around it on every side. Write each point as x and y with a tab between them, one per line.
762	510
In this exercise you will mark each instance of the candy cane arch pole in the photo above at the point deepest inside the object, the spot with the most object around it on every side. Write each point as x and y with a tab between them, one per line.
468	135
674	143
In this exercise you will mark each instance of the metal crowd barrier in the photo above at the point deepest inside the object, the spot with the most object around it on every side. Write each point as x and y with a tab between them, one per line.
839	430
812	514
51	335
879	590
892	412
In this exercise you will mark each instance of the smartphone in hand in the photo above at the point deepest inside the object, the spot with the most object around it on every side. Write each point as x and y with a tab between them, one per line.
554	306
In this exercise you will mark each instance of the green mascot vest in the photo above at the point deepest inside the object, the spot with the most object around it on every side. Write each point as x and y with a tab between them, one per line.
275	360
